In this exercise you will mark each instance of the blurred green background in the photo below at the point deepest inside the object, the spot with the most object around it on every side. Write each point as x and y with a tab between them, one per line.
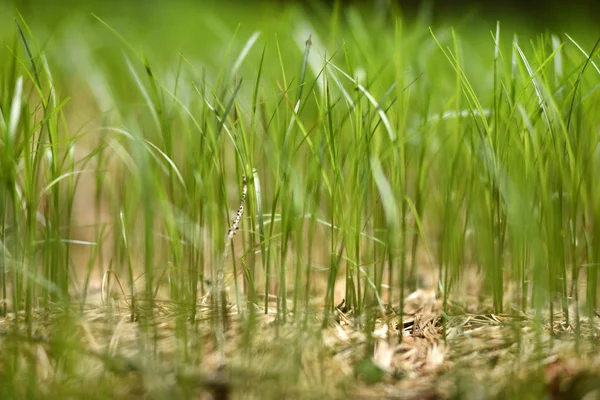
71	35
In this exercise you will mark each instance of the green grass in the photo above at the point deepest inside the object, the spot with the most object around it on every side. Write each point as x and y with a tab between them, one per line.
380	156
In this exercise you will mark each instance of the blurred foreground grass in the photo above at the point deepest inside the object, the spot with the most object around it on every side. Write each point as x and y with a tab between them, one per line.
420	217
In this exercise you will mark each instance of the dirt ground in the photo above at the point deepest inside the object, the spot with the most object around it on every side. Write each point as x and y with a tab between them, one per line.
421	355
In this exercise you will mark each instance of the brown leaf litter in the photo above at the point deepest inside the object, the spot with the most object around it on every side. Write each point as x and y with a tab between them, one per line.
419	354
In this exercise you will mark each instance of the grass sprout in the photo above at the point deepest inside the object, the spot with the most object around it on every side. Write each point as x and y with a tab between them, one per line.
417	207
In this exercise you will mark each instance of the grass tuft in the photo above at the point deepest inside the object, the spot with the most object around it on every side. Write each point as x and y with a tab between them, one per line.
409	195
